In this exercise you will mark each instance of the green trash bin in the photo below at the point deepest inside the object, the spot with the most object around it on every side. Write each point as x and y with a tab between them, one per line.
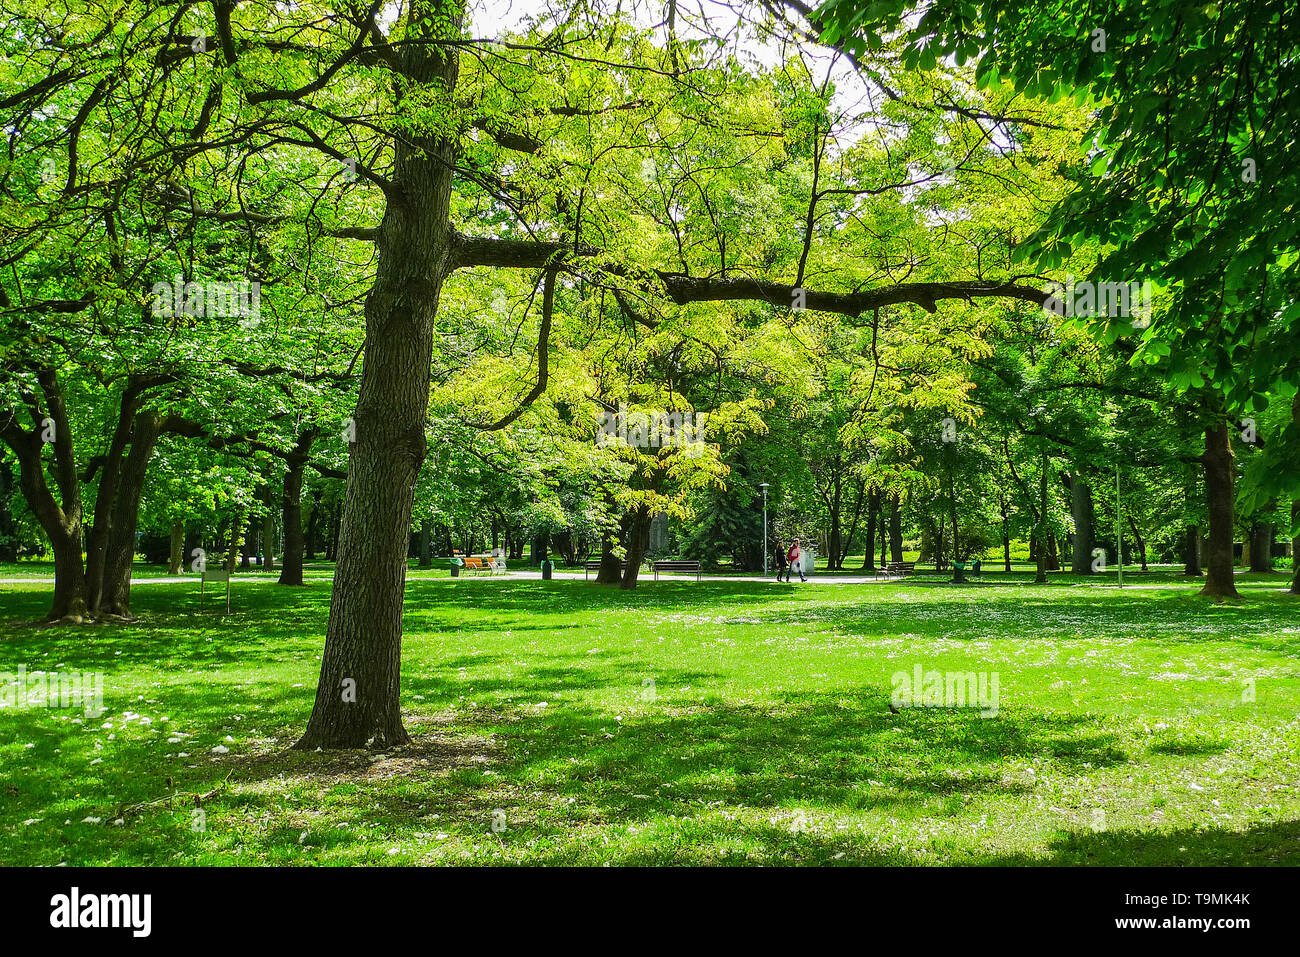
456	565
547	567
958	572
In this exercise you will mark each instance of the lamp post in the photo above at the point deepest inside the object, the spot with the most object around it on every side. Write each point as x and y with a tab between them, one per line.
764	487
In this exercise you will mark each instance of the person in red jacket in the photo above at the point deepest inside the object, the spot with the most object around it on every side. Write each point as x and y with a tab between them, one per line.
795	557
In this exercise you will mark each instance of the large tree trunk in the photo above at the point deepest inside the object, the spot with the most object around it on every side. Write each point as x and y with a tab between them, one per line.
115	594
61	520
358	695
1083	513
110	475
1218	462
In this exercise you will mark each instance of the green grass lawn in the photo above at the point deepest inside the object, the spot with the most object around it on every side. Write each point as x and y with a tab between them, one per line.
683	723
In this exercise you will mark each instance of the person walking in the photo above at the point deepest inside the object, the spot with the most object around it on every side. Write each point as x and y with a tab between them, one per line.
795	557
782	566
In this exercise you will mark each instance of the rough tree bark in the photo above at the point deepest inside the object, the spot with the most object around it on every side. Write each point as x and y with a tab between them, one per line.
358	695
115	594
1218	463
60	519
1083	513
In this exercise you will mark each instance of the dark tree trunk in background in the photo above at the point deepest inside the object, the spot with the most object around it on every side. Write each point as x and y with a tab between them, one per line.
853	525
1295	543
611	570
834	501
638	540
176	554
268	539
1261	545
232	545
426	550
1192	537
110	478
1006	538
1192	552
1040	536
952	504
115	596
563	545
1083	513
250	538
291	508
1141	542
873	507
312	539
363	642
60	519
896	531
8	527
1218	462
1053	553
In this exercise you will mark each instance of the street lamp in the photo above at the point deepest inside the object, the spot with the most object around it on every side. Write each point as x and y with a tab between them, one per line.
764	487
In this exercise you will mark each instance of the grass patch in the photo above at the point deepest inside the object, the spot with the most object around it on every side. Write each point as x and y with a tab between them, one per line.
713	723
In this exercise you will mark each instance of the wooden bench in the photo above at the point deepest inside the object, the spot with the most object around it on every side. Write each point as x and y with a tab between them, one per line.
677	566
898	570
485	563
